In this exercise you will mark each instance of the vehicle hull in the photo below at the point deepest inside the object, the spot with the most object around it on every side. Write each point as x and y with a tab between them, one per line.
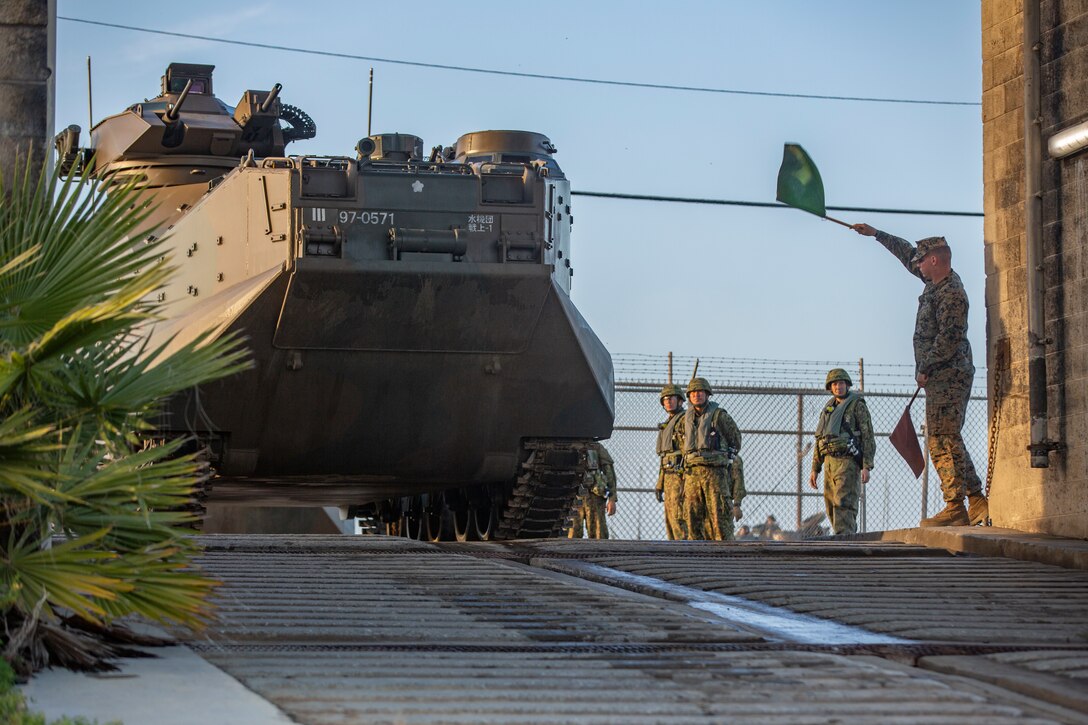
396	378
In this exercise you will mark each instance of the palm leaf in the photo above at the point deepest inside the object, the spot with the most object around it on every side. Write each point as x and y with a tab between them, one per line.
88	257
154	375
7	271
68	575
77	386
24	446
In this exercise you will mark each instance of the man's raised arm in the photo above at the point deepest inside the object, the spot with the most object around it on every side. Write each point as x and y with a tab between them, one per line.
901	248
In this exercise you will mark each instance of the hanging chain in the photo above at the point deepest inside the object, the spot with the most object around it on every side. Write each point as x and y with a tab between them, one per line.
994	430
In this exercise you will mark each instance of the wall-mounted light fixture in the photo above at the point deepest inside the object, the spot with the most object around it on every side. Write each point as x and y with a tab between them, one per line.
1068	141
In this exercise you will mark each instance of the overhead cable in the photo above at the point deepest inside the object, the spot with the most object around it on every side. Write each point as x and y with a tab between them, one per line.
770	204
516	74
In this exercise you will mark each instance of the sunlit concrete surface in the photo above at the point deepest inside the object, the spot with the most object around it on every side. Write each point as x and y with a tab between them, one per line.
176	687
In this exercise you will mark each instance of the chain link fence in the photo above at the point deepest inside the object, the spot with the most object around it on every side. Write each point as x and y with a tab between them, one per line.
778	423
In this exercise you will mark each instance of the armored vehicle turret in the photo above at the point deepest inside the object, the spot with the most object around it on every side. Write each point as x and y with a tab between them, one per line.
417	355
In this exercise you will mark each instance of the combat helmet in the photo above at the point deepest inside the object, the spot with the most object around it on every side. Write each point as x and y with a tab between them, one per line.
699	384
837	374
670	389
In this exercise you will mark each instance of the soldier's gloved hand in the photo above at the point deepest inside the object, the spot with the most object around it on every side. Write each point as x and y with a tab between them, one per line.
660	495
737	513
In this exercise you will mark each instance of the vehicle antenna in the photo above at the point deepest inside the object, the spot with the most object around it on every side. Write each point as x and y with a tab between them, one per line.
90	103
370	102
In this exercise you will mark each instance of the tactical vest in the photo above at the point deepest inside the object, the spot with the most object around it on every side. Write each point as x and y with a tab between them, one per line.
600	474
833	438
703	444
597	483
671	459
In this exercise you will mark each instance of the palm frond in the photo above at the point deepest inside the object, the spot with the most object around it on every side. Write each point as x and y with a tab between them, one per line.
77	386
24	447
154	375
88	252
68	575
8	270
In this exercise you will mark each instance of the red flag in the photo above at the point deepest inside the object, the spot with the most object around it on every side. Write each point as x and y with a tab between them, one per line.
905	440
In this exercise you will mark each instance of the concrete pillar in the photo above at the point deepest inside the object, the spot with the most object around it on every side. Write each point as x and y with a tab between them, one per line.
27	59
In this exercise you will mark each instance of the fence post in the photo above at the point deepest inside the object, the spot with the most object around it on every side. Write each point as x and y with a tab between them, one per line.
864	499
800	454
864	507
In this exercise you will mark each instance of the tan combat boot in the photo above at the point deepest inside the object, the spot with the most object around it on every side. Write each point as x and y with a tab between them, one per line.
954	514
978	508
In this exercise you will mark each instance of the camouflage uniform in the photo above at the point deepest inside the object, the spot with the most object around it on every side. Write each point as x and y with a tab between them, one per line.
600	486
837	452
736	477
670	476
710	439
943	353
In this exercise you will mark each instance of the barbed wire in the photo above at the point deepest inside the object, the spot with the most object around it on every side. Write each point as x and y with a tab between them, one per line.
761	372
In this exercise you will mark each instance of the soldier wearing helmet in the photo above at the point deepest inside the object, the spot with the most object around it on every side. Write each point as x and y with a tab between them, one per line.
670	476
599	499
844	450
945	368
711	440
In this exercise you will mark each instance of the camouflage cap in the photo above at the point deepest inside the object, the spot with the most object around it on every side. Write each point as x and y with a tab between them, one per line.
671	389
700	384
927	245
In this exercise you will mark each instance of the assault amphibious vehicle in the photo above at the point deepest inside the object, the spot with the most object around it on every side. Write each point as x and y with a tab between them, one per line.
417	355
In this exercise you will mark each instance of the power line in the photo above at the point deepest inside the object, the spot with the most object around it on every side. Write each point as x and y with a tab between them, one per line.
516	74
770	204
603	195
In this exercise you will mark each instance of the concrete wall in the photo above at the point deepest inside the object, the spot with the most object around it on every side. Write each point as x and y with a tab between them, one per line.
27	58
1055	499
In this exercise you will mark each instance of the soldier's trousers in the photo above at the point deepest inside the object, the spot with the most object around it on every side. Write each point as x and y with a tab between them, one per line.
676	526
947	393
590	518
708	509
842	490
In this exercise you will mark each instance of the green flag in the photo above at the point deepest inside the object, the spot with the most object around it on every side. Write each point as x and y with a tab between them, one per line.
799	182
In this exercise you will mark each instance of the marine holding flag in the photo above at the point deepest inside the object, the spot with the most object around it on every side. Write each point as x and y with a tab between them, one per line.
944	367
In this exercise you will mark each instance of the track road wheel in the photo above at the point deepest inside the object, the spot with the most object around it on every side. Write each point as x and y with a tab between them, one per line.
463	524
437	519
414	526
485	521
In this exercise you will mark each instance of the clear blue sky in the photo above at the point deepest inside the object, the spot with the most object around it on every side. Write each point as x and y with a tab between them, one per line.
650	277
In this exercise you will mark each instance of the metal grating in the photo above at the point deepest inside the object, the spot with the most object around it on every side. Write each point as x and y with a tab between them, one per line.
880	650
